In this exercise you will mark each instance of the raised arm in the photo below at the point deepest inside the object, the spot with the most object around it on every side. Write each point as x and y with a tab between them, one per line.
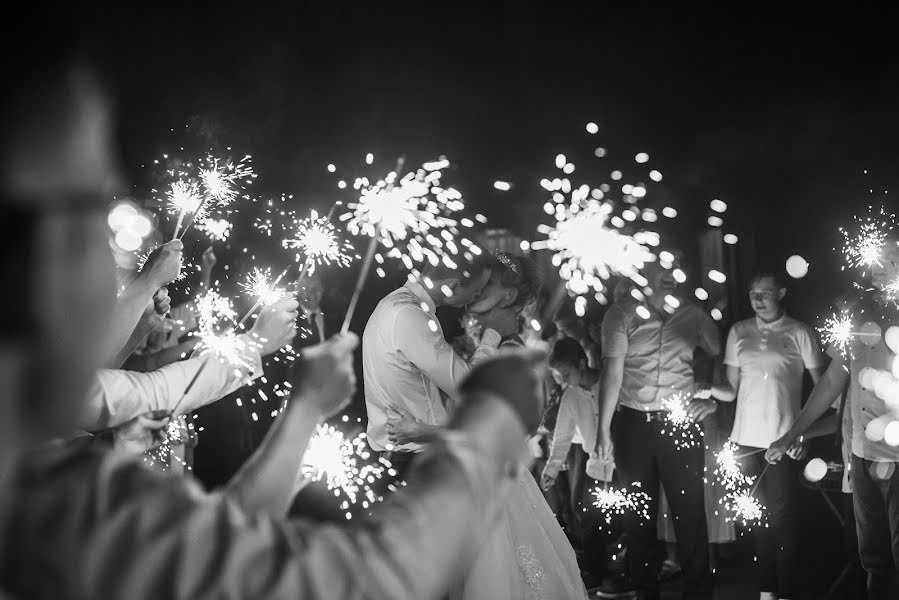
161	268
609	387
323	384
419	337
826	391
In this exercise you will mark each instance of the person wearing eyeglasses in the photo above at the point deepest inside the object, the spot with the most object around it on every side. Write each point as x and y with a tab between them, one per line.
766	357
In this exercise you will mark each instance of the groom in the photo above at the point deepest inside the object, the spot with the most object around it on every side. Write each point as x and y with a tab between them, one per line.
407	363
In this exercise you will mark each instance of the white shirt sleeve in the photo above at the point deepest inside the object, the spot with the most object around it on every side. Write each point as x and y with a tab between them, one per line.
117	396
563	433
418	335
730	348
809	348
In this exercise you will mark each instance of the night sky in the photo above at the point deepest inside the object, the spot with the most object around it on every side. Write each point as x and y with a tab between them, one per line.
776	114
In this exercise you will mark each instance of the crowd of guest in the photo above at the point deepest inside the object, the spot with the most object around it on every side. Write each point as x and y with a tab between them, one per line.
497	441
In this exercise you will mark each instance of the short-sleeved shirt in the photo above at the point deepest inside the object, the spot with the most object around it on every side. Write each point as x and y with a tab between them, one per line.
657	353
864	404
772	358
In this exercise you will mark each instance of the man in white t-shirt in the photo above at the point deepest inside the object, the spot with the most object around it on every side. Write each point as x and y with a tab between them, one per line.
865	363
766	357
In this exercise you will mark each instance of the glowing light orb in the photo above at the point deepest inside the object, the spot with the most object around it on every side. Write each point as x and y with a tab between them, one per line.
891	338
592	128
797	267
815	470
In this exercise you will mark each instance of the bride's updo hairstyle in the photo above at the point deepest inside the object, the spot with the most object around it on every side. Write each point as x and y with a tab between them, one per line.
520	274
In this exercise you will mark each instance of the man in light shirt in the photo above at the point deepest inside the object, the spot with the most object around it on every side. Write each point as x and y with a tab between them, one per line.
873	471
766	357
648	356
407	363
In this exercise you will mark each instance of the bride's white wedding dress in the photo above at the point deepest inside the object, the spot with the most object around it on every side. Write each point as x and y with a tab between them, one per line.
526	555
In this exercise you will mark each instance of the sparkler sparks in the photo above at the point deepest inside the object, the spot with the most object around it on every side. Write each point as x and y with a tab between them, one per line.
614	502
260	286
686	432
340	461
317	239
744	508
414	216
184	197
213	312
216	229
223	181
837	332
728	471
588	251
863	247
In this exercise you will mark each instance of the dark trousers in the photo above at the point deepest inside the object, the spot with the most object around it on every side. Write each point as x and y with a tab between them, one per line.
646	455
875	493
777	545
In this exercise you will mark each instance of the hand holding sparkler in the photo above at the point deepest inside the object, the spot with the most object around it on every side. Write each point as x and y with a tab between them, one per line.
276	325
163	265
324	376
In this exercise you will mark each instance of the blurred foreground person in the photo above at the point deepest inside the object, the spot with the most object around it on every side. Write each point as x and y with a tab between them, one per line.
83	523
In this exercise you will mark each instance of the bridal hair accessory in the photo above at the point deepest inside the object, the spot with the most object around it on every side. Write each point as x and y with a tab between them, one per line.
506	260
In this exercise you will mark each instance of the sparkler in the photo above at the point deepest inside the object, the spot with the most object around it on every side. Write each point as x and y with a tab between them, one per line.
260	286
613	502
588	251
728	471
863	247
163	453
743	507
410	216
837	332
340	461
316	239
686	432
184	197
216	229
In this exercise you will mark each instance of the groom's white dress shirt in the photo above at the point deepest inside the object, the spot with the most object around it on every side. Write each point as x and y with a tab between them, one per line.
406	362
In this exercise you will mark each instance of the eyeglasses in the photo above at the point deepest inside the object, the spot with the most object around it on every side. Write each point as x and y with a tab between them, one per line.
766	295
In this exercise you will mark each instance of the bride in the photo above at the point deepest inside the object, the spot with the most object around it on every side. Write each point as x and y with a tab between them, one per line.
526	555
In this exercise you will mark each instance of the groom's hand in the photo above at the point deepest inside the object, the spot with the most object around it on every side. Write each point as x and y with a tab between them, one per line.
403	427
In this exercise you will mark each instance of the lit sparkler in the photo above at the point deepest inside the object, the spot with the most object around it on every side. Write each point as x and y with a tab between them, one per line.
411	216
614	502
316	239
588	250
341	463
837	332
259	285
728	471
864	246
184	198
744	508
686	432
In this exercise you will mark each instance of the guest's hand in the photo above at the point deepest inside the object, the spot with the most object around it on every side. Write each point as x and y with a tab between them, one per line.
162	304
797	450
141	433
208	260
776	451
547	480
276	325
504	321
515	377
324	377
402	426
163	265
698	408
604	447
